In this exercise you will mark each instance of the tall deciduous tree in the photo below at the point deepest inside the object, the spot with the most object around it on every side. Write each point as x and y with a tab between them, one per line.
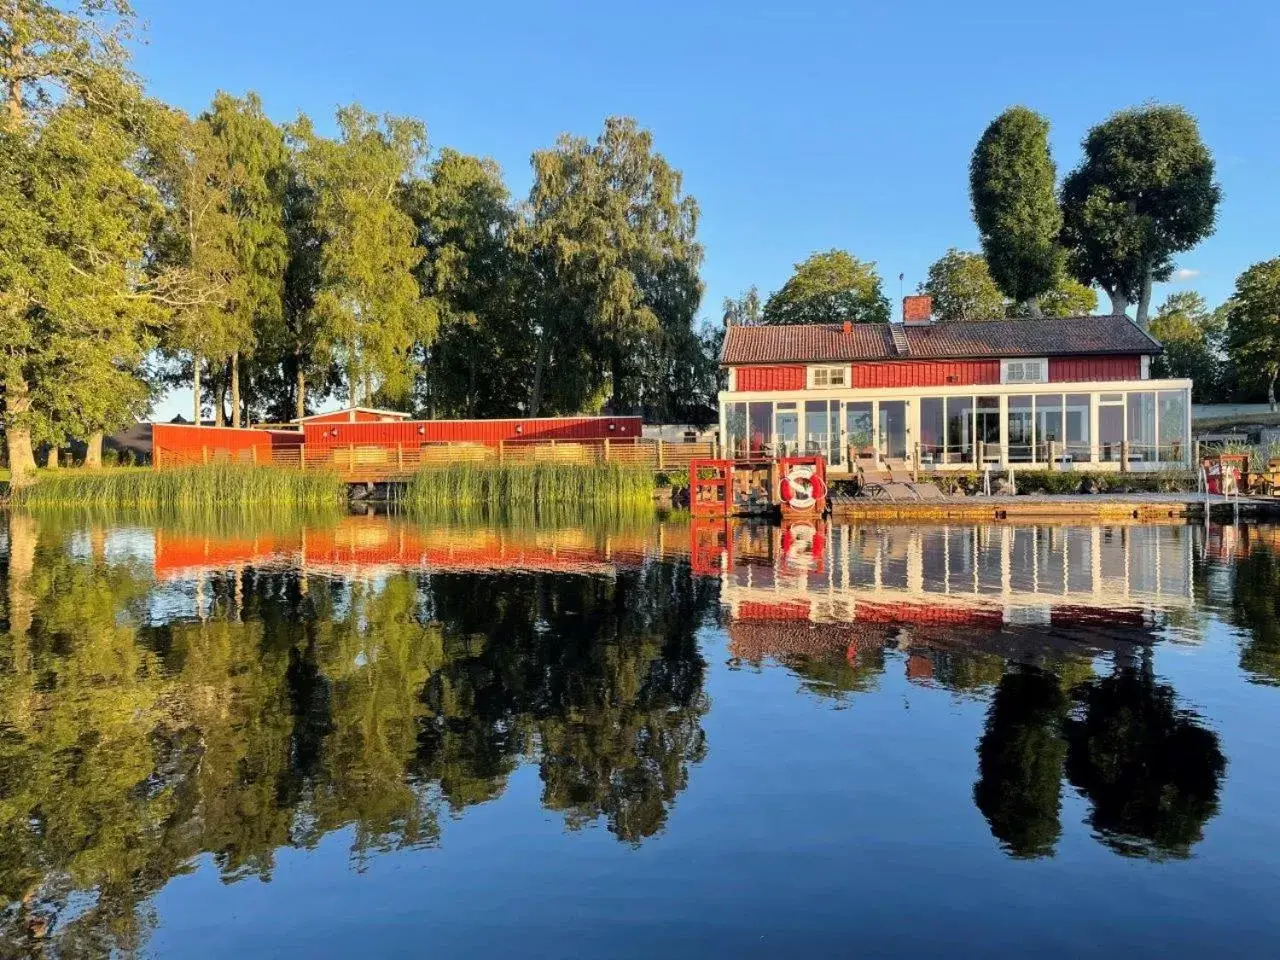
830	287
252	150
470	272
1192	337
1143	192
368	304
744	310
611	237
1253	324
962	289
1011	184
1068	297
74	218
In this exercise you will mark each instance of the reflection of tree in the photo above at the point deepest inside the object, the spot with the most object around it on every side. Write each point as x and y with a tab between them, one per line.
1020	760
1255	602
1151	771
128	749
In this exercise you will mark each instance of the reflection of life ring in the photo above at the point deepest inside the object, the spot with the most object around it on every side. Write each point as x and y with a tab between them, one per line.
802	546
802	488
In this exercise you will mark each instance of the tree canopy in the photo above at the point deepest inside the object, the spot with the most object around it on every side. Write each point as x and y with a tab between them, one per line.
1011	183
829	287
962	289
1192	336
1253	324
1143	192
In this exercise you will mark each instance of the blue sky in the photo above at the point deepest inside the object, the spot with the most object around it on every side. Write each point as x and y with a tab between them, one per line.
799	126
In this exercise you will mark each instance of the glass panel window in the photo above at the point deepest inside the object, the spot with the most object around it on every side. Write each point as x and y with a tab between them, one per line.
788	430
1021	433
760	421
1048	425
817	427
987	428
959	429
828	377
1025	371
1173	426
1077	426
1142	427
735	429
1110	431
859	429
933	425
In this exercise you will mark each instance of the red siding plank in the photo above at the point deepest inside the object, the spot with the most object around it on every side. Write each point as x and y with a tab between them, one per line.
925	373
1087	369
770	378
488	432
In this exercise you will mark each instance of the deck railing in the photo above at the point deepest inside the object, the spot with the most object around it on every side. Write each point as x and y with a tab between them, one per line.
384	461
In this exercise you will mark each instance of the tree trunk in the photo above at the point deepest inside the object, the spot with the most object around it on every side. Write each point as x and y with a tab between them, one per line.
220	404
535	395
300	376
1271	389
93	451
234	374
22	457
1119	302
51	457
195	380
1144	302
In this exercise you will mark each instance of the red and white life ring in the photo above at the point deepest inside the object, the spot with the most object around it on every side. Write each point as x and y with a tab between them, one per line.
802	487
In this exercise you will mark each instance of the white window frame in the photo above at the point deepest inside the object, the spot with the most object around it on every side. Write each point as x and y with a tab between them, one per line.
823	382
1020	365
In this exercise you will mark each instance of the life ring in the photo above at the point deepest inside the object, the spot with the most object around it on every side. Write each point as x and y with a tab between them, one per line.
802	488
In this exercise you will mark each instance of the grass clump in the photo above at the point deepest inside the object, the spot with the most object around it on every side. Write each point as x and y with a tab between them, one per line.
197	488
529	485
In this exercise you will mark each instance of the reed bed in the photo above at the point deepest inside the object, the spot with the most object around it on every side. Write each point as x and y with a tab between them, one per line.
214	487
538	485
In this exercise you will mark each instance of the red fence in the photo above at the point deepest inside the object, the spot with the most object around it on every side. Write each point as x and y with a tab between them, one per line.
489	433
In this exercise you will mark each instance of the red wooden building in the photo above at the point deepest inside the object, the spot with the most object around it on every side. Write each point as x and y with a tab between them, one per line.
954	395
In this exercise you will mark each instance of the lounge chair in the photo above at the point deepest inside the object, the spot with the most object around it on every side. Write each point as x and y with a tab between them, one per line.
889	483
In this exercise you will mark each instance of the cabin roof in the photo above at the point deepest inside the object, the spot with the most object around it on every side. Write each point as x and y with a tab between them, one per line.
944	340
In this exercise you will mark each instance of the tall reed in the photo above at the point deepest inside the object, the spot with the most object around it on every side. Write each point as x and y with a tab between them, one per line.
199	488
529	485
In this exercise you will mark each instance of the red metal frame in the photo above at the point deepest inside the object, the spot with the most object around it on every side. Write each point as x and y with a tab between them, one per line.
710	486
800	492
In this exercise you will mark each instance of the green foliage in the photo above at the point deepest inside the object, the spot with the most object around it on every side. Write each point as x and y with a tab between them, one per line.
743	311
75	216
200	488
1011	185
1192	336
611	234
1253	324
472	277
370	313
529	485
1143	192
1068	298
962	289
829	287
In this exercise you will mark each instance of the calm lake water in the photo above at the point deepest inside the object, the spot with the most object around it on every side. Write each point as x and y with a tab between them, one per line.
368	735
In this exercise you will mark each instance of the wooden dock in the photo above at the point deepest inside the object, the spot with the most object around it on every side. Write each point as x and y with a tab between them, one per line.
1149	507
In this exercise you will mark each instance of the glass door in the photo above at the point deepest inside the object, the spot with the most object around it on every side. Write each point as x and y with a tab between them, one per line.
893	429
788	429
987	428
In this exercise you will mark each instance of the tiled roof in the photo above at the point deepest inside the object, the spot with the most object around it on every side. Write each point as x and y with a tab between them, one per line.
953	340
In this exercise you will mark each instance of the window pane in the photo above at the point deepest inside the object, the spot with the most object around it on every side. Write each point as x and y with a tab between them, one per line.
1048	424
1110	431
1077	427
1021	436
1173	426
932	430
788	421
987	427
1142	427
857	418
893	429
760	416
735	428
959	429
816	434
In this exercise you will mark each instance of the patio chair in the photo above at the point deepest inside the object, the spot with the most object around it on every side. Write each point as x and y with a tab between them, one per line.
888	483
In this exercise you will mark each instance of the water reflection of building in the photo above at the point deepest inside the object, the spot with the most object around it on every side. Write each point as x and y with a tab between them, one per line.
955	574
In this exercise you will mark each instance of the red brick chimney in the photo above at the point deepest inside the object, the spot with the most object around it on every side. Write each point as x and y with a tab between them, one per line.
848	326
917	309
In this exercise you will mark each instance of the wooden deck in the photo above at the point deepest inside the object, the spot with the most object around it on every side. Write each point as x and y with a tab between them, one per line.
1118	506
